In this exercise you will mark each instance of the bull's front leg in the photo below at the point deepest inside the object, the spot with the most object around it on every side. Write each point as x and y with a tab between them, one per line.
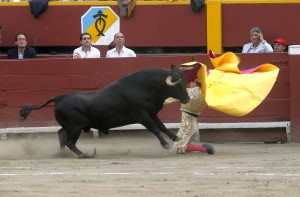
163	128
156	132
152	127
145	120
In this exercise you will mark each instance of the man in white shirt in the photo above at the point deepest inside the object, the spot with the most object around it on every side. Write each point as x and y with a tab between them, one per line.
86	50
120	50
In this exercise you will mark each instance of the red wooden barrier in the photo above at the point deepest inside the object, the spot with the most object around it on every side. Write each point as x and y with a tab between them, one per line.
34	81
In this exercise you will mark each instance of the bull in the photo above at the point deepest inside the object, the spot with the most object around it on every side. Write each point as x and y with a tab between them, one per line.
135	98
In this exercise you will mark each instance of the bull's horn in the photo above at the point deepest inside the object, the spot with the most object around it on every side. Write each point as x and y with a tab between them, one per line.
169	81
187	68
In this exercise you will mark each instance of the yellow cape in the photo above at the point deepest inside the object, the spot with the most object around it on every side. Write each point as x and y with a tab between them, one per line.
232	91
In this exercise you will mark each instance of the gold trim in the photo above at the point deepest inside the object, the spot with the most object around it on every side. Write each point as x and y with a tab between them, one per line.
149	2
258	1
98	3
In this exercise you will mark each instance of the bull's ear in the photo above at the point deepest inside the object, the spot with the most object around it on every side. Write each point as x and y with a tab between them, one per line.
173	66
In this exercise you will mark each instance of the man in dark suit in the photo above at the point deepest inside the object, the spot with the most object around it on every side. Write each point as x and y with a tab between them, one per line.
22	50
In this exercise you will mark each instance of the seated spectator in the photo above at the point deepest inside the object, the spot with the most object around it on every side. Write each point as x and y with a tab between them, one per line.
22	50
258	44
279	45
86	50
120	50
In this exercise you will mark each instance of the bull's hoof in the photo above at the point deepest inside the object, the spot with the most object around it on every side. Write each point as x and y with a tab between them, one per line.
166	146
87	156
177	139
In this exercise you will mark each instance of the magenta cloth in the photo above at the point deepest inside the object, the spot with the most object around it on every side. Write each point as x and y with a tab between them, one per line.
250	70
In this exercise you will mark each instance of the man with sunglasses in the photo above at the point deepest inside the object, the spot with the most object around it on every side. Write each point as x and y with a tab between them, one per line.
279	45
86	50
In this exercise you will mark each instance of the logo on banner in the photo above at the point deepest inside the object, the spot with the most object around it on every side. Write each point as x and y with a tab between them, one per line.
102	23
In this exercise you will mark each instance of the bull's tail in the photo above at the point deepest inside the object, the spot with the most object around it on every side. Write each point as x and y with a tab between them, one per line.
26	109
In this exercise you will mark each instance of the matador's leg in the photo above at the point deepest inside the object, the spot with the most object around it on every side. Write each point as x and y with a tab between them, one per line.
186	132
189	126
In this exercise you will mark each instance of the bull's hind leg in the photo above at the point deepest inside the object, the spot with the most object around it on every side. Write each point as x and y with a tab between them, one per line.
71	144
62	136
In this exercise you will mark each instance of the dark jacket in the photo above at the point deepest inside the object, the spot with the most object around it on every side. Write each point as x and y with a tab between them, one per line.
28	53
37	7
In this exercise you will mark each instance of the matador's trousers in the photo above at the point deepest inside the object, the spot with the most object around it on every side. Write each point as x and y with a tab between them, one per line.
188	129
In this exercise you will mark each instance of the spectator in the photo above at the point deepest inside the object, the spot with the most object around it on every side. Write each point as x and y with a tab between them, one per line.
258	44
279	45
22	50
86	50
120	50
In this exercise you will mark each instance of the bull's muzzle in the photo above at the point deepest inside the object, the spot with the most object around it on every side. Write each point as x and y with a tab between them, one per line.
185	100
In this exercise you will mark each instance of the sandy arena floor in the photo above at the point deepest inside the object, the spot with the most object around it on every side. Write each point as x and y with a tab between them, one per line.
128	165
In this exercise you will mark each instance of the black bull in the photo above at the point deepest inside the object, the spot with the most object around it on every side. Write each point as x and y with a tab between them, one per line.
136	98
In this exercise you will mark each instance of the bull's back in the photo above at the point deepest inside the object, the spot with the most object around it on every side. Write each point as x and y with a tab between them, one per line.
94	105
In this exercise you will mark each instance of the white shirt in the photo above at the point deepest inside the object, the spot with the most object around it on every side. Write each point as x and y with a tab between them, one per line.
125	52
92	53
261	48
